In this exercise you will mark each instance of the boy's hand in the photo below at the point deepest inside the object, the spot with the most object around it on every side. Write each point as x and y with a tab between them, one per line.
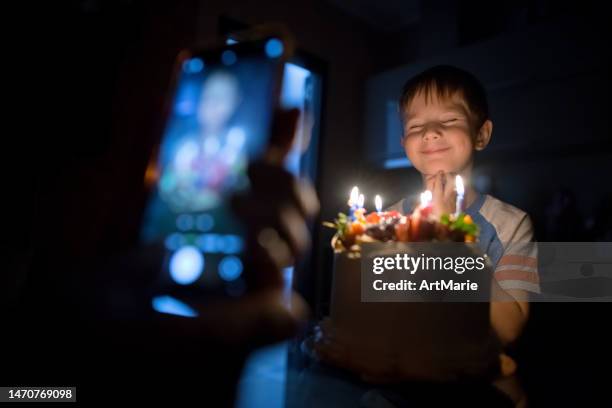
444	196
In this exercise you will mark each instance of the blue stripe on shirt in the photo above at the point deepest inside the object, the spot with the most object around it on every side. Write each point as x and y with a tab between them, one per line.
488	240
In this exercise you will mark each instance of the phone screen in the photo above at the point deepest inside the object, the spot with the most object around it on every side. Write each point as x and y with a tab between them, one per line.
219	119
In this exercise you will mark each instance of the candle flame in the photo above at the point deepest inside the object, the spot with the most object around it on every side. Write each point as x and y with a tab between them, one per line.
459	185
360	201
354	196
426	198
378	203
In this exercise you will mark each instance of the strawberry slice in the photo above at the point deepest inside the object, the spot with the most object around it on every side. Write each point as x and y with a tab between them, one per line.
373	218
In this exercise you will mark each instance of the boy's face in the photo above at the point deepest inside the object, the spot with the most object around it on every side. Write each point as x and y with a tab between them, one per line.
438	134
218	101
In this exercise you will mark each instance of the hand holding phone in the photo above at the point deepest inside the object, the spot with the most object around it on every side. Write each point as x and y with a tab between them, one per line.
276	210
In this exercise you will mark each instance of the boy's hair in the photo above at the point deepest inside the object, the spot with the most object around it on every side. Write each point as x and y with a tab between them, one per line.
447	80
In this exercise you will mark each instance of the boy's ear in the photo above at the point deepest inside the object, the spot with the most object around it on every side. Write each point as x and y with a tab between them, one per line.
484	135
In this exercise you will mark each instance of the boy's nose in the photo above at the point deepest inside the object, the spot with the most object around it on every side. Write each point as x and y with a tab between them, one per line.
432	132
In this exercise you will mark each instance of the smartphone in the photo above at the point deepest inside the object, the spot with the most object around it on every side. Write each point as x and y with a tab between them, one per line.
219	119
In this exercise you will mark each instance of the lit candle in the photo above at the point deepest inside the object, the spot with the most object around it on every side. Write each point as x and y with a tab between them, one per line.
378	203
359	212
426	198
352	202
460	191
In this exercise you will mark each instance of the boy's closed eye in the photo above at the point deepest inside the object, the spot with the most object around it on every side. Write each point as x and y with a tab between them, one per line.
452	117
417	127
413	128
413	122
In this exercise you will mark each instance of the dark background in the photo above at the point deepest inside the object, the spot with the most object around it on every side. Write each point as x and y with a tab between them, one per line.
88	81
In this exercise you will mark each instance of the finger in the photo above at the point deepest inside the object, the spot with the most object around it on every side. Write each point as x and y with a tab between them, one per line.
431	176
295	230
449	189
274	248
277	235
307	201
288	240
438	190
430	183
286	220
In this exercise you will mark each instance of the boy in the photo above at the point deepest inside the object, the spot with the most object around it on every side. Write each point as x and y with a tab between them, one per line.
445	121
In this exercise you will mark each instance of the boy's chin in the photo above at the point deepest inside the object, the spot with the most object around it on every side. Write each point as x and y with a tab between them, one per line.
433	170
432	166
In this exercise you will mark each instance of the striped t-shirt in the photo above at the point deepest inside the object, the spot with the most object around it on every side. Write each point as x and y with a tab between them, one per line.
504	233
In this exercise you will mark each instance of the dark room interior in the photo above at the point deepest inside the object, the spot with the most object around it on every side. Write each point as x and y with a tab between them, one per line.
92	81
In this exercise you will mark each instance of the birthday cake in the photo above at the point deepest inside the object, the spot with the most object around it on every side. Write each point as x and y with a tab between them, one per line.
392	341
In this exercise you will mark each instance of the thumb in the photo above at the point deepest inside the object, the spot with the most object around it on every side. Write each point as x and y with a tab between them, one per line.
282	135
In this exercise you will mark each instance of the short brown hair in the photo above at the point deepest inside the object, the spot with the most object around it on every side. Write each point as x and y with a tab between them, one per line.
447	80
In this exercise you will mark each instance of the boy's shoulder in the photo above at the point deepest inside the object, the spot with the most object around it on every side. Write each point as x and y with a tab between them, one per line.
497	208
510	222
